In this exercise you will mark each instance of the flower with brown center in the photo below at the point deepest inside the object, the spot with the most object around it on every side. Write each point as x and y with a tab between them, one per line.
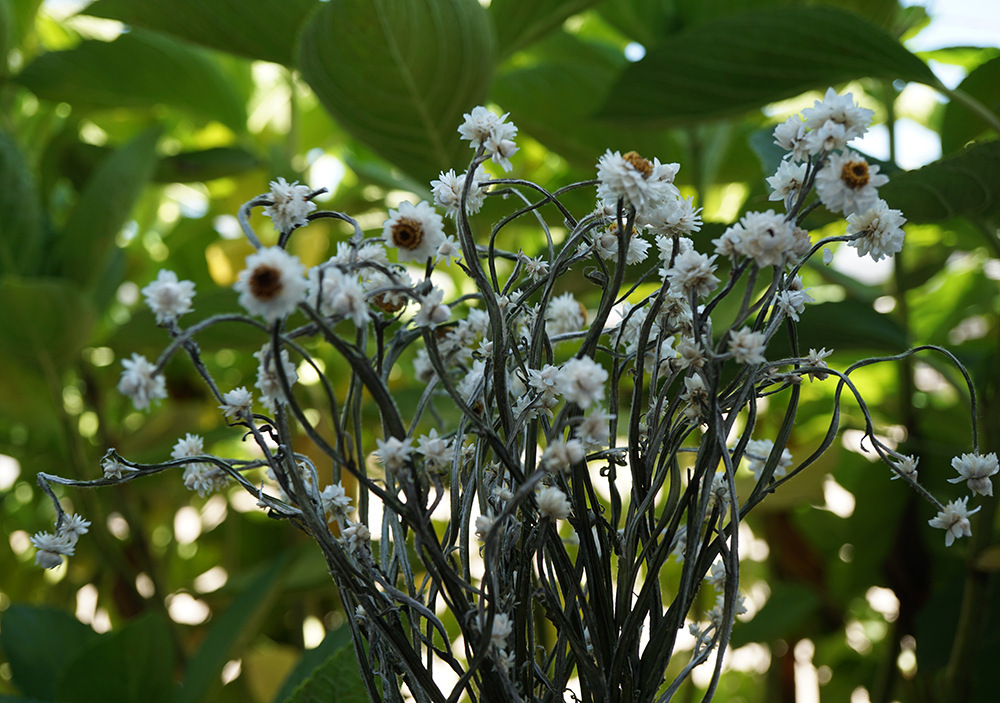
272	284
415	230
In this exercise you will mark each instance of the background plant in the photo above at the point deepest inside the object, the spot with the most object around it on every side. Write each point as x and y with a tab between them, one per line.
61	170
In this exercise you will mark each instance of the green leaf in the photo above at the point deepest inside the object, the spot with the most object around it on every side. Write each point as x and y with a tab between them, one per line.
399	74
4	698
229	632
131	665
20	211
961	125
39	642
964	184
312	659
787	610
552	94
104	207
204	165
337	679
521	22
46	322
138	69
743	62
267	30
849	324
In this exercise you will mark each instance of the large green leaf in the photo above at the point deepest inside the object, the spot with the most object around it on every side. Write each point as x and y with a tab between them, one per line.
964	184
399	74
743	62
312	659
20	211
103	208
229	632
521	22
553	91
138	69
45	321
39	642
337	679
266	30
131	665
960	124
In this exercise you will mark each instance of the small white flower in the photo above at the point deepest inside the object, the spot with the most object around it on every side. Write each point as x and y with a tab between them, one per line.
633	179
502	628
905	466
564	314
335	502
792	301
448	251
272	284
437	451
717	576
237	403
786	182
581	381
764	237
594	430
955	519
448	188
719	492
356	535
140	382
268	382
840	110
827	256
336	294
757	453
393	453
290	207
537	268
389	292
689	354
976	469
167	297
791	136
432	310
73	527
52	548
560	455
878	231
696	396
692	275
672	217
417	231
484	523
747	346
848	184
113	468
552	503
491	131
818	358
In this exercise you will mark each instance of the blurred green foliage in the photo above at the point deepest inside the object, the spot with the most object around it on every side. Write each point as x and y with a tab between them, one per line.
127	145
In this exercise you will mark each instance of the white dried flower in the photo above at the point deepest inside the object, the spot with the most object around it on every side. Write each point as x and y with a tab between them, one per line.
335	502
878	231
168	297
268	382
289	205
747	346
447	190
237	403
564	314
757	453
955	520
417	231
432	310
581	381
848	184
52	548
976	469
561	455
905	466
393	453
552	503
140	382
336	294
272	284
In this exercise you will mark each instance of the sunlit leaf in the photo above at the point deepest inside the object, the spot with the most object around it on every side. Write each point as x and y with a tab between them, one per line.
399	74
961	125
964	184
104	206
139	69
204	165
521	22
267	30
39	643
742	62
